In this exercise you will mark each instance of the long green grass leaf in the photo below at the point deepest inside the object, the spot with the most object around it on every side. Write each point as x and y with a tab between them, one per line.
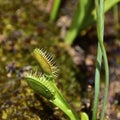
100	33
55	9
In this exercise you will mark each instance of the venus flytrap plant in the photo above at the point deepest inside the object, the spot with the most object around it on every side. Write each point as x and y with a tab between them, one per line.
45	85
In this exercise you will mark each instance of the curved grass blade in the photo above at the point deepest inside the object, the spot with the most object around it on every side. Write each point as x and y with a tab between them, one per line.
100	33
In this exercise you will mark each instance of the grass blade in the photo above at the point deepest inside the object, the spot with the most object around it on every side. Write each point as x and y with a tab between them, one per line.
100	33
55	9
